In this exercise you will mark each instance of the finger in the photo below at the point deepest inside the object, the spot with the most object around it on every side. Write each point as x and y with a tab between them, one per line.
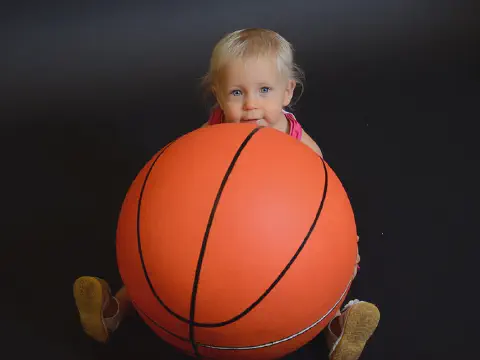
262	122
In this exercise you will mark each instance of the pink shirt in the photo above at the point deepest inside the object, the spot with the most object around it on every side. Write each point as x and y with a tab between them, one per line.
216	117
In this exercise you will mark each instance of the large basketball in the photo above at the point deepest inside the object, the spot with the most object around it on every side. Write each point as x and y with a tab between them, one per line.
236	242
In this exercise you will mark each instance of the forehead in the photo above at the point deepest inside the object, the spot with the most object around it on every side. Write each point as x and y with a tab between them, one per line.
251	70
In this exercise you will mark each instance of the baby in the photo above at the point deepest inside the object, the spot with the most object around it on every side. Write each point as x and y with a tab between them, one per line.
253	77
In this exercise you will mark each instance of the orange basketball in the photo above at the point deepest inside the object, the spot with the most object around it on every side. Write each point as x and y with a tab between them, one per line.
237	242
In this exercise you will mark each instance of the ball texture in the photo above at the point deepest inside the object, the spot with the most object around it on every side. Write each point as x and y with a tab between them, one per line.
236	242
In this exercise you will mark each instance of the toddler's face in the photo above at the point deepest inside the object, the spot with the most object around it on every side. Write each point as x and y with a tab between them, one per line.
253	90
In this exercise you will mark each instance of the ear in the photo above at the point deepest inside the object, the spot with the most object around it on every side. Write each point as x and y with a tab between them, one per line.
289	92
214	91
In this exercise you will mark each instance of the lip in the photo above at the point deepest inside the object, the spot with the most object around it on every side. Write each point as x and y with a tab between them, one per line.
248	120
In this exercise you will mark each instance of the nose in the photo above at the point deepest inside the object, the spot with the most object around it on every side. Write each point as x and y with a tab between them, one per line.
249	103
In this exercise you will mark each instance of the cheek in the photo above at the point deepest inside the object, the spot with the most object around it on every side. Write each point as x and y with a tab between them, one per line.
274	103
233	112
273	109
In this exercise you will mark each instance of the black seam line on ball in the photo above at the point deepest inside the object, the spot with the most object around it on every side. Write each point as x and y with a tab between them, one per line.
290	263
139	239
250	308
287	267
205	239
284	339
160	326
258	346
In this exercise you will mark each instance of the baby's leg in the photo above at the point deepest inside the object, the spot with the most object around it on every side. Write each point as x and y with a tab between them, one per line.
100	312
348	333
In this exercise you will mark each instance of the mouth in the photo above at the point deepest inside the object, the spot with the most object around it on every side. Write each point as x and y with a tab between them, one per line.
249	120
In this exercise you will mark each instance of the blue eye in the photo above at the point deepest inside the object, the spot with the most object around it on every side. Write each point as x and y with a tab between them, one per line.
236	93
265	89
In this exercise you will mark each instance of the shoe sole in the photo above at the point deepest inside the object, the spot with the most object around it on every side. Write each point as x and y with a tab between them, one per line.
360	324
88	294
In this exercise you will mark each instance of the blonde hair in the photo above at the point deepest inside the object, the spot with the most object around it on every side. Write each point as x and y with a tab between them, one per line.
252	42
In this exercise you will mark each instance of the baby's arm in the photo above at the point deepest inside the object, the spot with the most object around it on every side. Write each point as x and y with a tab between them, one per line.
307	140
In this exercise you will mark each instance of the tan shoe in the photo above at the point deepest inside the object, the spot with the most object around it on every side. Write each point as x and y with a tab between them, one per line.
92	295
359	323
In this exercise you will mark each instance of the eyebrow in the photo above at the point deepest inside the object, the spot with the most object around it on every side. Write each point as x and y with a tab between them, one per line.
258	83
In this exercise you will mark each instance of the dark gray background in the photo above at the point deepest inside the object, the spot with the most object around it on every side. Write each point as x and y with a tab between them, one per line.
90	91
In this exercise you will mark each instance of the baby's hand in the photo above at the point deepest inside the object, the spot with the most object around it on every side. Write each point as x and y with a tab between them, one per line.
358	260
262	122
358	254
